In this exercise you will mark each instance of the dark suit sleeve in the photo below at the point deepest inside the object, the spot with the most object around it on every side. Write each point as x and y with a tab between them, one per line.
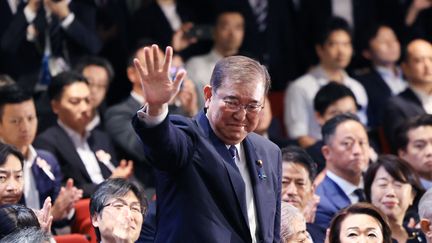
393	117
55	168
169	144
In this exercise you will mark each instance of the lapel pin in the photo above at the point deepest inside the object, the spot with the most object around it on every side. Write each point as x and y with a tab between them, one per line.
261	174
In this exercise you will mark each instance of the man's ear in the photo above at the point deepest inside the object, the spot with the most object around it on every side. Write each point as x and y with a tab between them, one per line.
95	221
367	54
424	225
401	153
325	150
55	106
207	95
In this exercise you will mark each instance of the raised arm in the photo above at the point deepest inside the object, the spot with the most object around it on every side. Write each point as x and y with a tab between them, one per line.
157	86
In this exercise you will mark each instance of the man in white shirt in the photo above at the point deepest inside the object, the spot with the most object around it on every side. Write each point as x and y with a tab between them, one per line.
334	49
86	156
228	36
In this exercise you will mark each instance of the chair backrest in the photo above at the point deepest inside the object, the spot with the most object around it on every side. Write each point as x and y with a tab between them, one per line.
71	238
82	223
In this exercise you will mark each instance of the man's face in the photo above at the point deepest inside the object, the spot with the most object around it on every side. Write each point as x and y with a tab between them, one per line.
297	188
18	124
233	126
347	153
343	105
385	47
337	50
418	66
98	79
418	151
229	32
73	108
120	219
11	181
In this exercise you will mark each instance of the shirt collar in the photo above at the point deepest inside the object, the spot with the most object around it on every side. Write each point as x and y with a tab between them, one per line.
76	137
323	79
94	122
31	157
389	72
215	55
137	97
346	186
423	96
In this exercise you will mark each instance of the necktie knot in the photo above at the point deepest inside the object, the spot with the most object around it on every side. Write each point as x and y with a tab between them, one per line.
233	151
359	192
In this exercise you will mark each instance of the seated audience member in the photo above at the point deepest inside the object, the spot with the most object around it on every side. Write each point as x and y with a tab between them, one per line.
87	157
117	209
11	183
30	234
360	222
416	99
118	118
334	49
293	225
392	186
298	173
384	77
99	73
42	175
15	217
413	143
331	100
425	214
228	36
346	150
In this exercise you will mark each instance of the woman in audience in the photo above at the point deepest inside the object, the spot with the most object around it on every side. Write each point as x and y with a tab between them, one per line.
293	225
392	186
15	216
360	222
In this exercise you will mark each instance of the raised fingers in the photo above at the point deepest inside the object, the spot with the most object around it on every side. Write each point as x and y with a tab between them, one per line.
148	59
156	61
168	59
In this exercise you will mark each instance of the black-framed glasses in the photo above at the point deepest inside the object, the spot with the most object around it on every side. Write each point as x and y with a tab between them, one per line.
234	105
121	205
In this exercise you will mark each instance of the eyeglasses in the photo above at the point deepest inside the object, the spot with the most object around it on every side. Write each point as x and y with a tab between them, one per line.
233	105
121	205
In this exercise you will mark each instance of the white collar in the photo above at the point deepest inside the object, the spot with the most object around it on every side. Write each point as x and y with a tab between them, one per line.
139	98
72	133
346	186
32	155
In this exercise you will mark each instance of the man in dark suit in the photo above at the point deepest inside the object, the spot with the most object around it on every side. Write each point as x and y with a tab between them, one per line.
216	180
42	176
417	98
58	31
346	150
86	156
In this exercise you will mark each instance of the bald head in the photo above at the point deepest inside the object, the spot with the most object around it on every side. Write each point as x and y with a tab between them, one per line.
417	64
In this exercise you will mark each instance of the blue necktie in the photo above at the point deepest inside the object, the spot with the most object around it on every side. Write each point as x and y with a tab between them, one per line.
360	194
233	152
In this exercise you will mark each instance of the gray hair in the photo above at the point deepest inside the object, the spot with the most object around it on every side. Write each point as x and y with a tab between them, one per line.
239	69
425	205
27	235
289	214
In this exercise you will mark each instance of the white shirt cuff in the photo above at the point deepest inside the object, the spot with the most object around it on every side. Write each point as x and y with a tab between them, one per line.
151	121
67	21
29	15
71	214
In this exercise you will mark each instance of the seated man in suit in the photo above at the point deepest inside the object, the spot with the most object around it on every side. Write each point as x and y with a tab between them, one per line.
384	78
417	98
414	141
18	123
346	150
298	173
335	50
217	181
86	156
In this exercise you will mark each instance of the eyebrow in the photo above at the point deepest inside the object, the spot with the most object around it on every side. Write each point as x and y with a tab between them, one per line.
8	171
123	201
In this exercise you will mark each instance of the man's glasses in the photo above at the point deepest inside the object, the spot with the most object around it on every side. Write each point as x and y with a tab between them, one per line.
121	205
234	106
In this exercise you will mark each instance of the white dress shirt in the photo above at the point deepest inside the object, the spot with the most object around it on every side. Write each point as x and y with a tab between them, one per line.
87	156
425	98
31	193
394	81
347	187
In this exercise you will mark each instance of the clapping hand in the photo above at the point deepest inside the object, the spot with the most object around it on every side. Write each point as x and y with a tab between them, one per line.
44	216
66	200
124	170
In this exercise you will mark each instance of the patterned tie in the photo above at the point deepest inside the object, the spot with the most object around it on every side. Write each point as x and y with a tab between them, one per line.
233	151
360	194
260	10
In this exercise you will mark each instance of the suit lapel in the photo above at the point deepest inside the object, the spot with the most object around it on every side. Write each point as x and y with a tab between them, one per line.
95	146
236	179
340	199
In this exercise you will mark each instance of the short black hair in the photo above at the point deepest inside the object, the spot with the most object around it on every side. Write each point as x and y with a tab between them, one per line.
397	168
370	32
329	26
60	81
112	188
408	125
16	216
329	128
6	150
329	94
96	61
140	44
295	154
12	94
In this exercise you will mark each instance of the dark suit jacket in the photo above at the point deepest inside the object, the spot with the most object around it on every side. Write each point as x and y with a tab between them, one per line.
45	186
378	93
25	58
56	141
200	195
332	199
397	110
317	232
